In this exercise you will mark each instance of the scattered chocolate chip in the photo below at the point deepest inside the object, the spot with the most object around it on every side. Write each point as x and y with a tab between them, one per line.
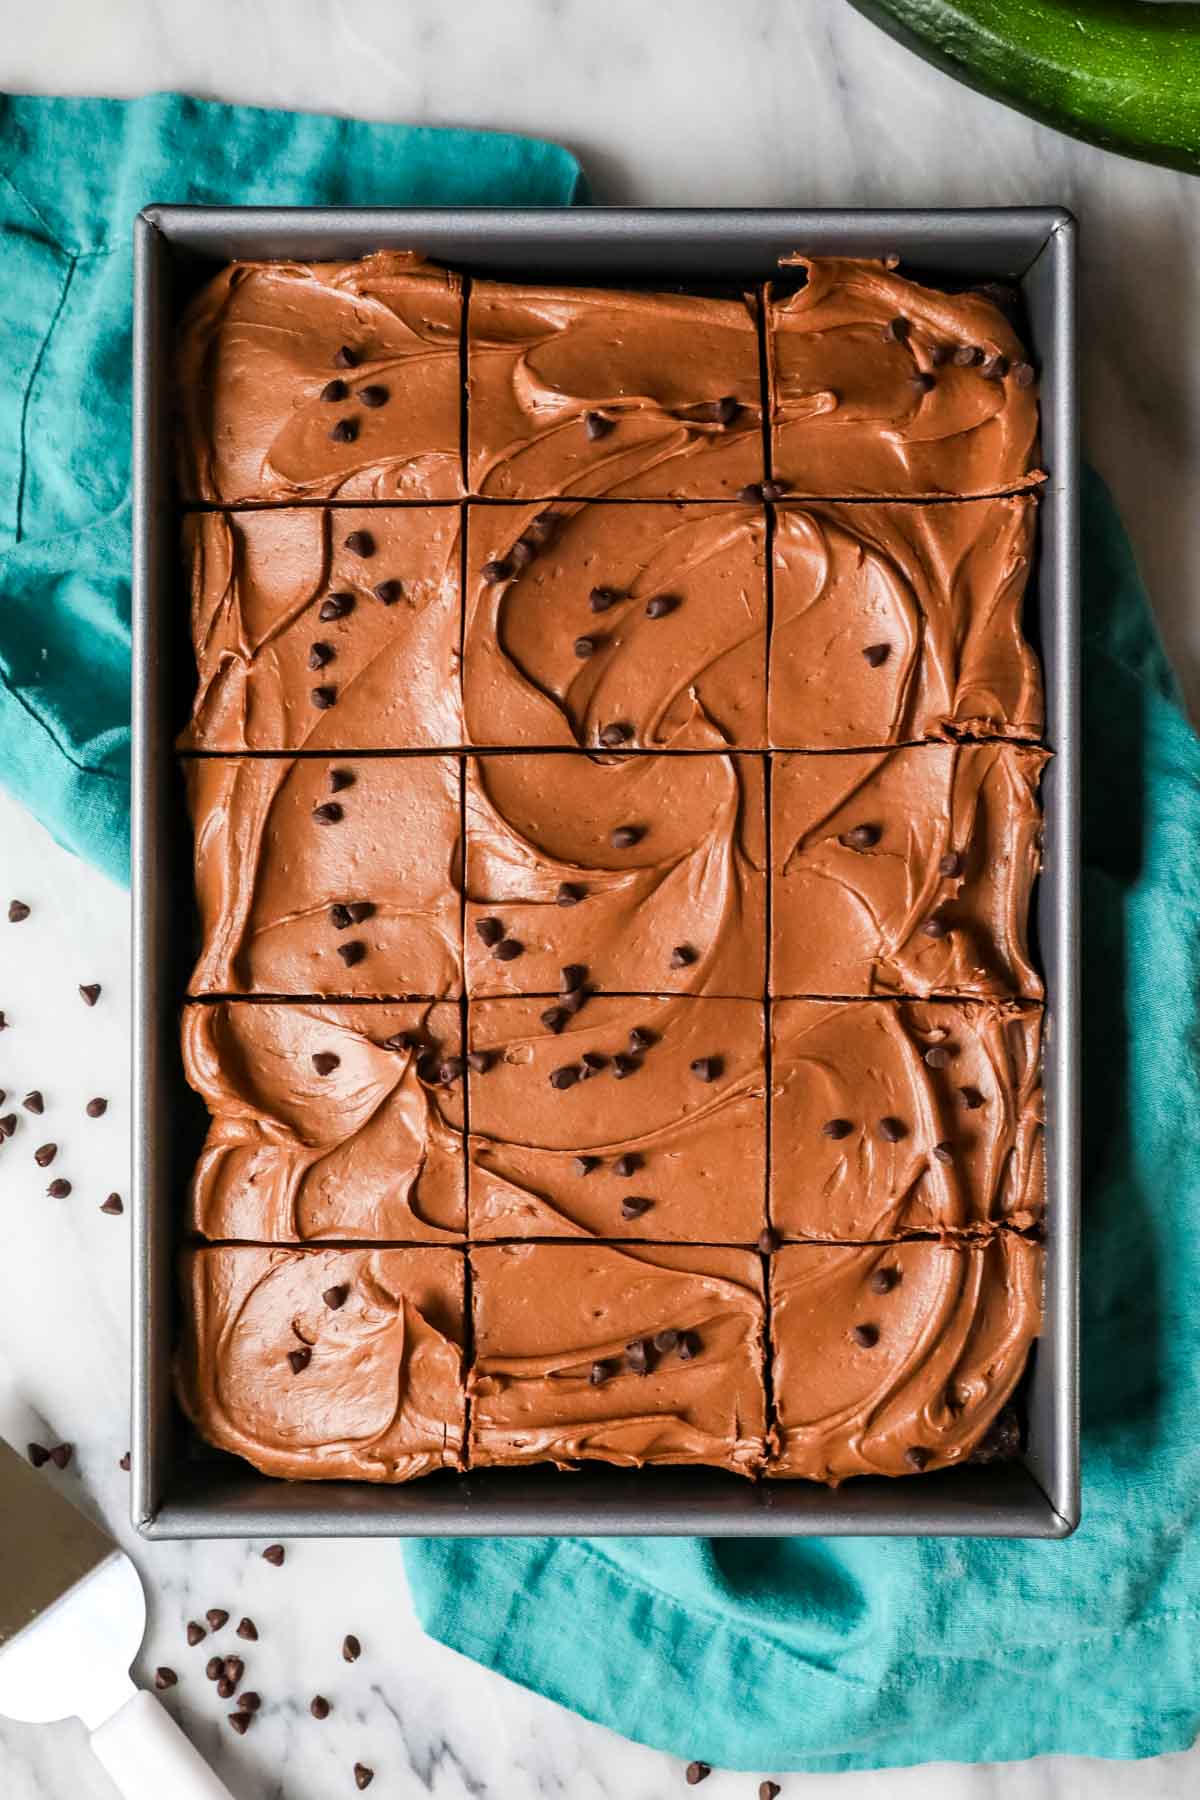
324	697
861	837
697	1772
339	780
241	1722
325	1062
614	735
626	836
554	1018
565	1076
594	1063
521	554
583	1165
363	1777
61	1454
248	1629
865	1336
891	1129
90	992
113	1206
351	1648
37	1454
877	654
569	894
966	356
250	1701
586	646
345	358
17	911
666	1341
319	1707
274	1554
572	977
336	606
940	354
627	1164
602	1371
33	1101
508	949
333	391
335	1297
226	1689
319	654
752	491
944	1152
300	1359
601	598
639	1355
707	1068
543	526
126	1462
896	331
922	381
769	1790
937	1056
916	1457
328	813
972	1099
352	952
689	1345
8	1124
339	917
489	932
624	1065
995	368
773	490
164	1678
641	1038
634	1205
58	1190
195	1633
576	1001
388	592
1024	375
499	569
216	1616
345	431
950	865
935	928
769	1241
884	1280
661	605
360	543
597	426
449	1070
373	395
45	1154
682	956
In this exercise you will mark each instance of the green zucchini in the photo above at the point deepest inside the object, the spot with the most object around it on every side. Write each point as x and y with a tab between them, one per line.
1124	74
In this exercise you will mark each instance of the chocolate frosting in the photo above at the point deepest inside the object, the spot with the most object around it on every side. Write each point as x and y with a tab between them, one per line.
545	1314
962	1082
380	1397
368	1148
851	917
690	673
937	589
269	871
547	1161
258	349
598	392
387	668
694	881
860	405
953	1336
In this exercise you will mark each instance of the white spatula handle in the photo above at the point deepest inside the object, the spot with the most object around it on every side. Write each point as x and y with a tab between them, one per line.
149	1758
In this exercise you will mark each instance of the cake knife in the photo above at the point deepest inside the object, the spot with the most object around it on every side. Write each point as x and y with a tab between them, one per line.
72	1617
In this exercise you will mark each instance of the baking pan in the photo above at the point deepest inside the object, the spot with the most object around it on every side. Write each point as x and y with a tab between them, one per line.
178	1488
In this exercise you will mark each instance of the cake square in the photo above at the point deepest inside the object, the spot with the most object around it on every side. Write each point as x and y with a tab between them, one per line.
643	622
891	1117
622	1355
894	1359
659	1134
906	871
317	875
322	381
586	392
327	1121
326	1365
893	623
322	628
879	386
649	871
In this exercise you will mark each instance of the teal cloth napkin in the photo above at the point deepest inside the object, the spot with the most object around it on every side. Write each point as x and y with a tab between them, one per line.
73	174
831	1654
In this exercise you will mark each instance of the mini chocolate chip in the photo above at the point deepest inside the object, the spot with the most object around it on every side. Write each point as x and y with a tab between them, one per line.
661	605
319	654
319	1707
328	813
966	356
339	917
216	1616
626	836
340	779
226	1688
274	1554
403	1040
896	331
489	931
324	697
325	1062
865	1336
565	1076
1024	375
614	735
8	1124
773	490
583	1165
884	1280
543	526
697	1772
916	1457
363	1777
352	952
937	1056
249	1701
248	1629
950	865
634	1205
37	1454
164	1678
586	646
995	368
195	1633
891	1129
861	837
450	1070
601	598
336	606
569	894
972	1099
940	354
45	1154
499	569
597	426
689	1346
346	358
388	592
345	431
769	1790
769	1241
726	409
235	1668
944	1152
335	1297
508	949
554	1018
571	977
479	1061
113	1206
639	1355
641	1038
34	1103
89	992
373	395
17	911
624	1065
351	1648
682	956
922	381
300	1359
602	1371
877	654
627	1164
333	391
707	1068
594	1062
241	1722
666	1341
935	928
752	491
214	1668
126	1462
360	543
61	1454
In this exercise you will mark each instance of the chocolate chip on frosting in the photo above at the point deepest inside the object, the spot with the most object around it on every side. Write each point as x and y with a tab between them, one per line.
706	1068
508	949
1024	374
335	1297
836	1128
922	381
624	1065
935	928
627	1164
884	1279
565	1076
328	813
896	331
966	356
917	1458
944	1152
570	893
319	654
626	836
614	735
682	956
971	1098
373	395
661	605
937	1056
865	1336
388	592
352	953
601	598
634	1205
360	543
641	1038
300	1359
324	697
597	426
585	647
554	1018
950	865
325	1062
861	837
489	931
594	1063
345	431
499	569
333	391
877	654
571	977
602	1371
769	1241
345	357
891	1129
340	779
583	1165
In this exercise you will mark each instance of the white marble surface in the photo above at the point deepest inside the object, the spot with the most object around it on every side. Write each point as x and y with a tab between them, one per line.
679	101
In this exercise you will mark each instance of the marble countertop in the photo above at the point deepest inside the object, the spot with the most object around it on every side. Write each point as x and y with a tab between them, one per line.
684	102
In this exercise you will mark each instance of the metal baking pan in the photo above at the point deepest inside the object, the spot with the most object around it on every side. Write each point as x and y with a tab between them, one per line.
180	1491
